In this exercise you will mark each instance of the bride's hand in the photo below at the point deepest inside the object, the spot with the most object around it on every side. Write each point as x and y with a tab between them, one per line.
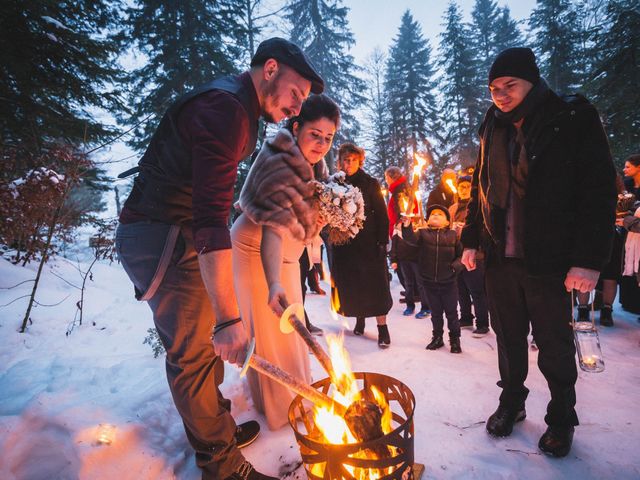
277	299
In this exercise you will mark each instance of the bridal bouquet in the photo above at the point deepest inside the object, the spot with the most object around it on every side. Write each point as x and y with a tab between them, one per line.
625	204
341	206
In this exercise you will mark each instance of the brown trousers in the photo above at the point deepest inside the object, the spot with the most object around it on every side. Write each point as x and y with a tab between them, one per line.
184	319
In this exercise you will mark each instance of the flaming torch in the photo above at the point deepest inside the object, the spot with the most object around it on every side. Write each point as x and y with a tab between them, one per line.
451	185
421	161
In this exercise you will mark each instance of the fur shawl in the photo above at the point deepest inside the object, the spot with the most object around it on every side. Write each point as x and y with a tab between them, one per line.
278	191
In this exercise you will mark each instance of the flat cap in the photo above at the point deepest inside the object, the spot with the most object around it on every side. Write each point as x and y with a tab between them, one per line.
291	55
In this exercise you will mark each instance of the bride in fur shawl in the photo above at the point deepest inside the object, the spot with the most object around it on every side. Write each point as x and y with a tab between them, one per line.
268	239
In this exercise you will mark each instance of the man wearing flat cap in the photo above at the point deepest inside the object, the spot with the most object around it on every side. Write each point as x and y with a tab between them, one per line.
542	208
174	243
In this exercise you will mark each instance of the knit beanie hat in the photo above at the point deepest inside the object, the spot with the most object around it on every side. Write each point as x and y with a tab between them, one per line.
445	210
517	62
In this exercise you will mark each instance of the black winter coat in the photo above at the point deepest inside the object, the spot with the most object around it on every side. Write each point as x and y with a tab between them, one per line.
441	195
439	253
359	268
570	193
401	251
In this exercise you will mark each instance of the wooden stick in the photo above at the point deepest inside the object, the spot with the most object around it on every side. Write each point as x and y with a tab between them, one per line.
316	397
314	346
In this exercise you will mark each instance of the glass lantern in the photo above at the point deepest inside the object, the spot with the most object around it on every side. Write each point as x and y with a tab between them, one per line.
587	341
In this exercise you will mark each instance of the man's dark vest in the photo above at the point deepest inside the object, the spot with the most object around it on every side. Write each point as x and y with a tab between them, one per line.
163	188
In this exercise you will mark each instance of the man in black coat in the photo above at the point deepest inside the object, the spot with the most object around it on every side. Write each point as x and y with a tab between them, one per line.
542	208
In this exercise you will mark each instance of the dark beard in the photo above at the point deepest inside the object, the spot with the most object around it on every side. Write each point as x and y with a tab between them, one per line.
269	92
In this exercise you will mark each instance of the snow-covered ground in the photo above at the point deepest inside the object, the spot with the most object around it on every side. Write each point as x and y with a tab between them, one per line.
55	389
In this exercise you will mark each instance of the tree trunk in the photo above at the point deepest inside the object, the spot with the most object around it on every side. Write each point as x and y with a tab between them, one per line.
43	260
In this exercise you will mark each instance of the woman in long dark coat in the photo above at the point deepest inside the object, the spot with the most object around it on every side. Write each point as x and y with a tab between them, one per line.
359	268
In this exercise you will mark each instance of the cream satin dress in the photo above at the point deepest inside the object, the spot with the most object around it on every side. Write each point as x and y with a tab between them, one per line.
289	352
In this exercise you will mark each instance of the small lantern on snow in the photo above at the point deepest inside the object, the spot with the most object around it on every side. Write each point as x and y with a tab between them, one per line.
106	434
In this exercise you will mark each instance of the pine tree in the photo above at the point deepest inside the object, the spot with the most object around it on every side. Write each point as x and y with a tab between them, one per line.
462	108
255	16
186	44
57	64
321	29
484	17
483	30
554	24
591	17
614	82
377	115
507	33
410	88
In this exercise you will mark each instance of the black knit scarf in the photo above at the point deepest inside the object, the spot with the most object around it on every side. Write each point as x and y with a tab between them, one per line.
496	143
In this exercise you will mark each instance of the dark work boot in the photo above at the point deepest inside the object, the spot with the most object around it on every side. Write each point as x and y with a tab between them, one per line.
556	441
246	433
501	423
384	340
606	318
455	345
436	343
359	328
246	472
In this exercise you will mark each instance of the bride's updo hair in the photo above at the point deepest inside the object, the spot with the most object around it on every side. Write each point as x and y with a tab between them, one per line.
314	108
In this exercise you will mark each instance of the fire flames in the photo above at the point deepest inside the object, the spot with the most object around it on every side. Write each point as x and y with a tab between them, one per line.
450	184
420	163
405	205
333	427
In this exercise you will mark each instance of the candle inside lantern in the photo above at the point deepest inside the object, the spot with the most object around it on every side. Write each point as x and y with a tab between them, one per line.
590	360
106	434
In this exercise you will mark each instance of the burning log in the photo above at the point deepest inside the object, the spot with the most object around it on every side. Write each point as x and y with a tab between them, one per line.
364	419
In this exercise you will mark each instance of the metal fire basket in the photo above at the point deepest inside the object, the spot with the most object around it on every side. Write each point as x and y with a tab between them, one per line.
335	459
